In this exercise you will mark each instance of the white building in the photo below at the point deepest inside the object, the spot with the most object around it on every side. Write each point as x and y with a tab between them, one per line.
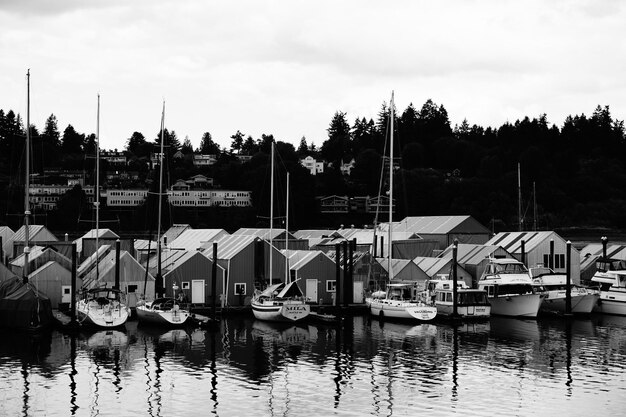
204	160
46	197
114	157
126	198
312	165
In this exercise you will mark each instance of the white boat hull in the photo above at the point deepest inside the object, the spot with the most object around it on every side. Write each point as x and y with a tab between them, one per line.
401	310
554	302
467	312
523	305
173	317
612	302
90	313
285	311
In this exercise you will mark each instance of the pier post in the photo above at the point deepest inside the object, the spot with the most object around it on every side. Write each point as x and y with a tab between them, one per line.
73	286
337	273
523	249
349	282
342	284
117	264
455	312
551	261
605	240
214	281
568	280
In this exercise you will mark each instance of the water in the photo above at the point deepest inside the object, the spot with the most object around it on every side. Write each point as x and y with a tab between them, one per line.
505	367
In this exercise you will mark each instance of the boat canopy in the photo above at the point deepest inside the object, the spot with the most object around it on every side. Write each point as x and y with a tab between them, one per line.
282	290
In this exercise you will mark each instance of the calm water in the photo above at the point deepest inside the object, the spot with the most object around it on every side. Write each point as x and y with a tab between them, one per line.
505	367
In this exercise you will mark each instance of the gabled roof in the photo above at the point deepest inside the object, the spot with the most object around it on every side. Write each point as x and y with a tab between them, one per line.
512	241
299	258
129	268
312	234
612	251
473	254
440	225
229	246
396	264
193	239
175	230
47	253
432	265
36	232
263	233
173	259
101	233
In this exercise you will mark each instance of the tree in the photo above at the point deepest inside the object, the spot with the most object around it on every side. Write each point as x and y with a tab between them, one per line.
187	147
303	150
135	144
237	141
337	147
51	131
72	141
207	146
265	143
249	146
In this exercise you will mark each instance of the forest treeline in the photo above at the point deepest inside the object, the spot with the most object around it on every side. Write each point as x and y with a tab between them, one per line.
572	175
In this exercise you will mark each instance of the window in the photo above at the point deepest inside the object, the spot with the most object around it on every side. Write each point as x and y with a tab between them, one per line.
559	261
331	285
66	291
185	285
240	288
131	288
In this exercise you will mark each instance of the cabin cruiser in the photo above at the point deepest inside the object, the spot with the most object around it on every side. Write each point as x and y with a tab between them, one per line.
611	276
509	288
471	303
552	286
401	302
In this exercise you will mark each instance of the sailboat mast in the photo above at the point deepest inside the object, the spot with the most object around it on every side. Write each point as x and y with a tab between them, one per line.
287	235
27	183
97	190
389	243
519	198
159	279
271	207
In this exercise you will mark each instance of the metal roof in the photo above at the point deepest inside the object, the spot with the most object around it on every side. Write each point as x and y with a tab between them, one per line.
299	258
612	251
440	225
512	241
471	254
263	233
193	239
432	265
229	246
312	234
102	233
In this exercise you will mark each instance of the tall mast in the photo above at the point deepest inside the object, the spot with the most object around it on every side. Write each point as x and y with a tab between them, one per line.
287	276
519	198
97	190
271	207
389	244
534	207
27	183
159	279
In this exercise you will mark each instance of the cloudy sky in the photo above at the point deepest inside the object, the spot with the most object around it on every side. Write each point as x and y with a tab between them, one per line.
285	67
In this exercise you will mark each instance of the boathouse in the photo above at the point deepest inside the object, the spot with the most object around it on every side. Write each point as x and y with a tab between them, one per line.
403	270
246	261
6	233
594	251
194	239
278	237
191	272
55	281
37	257
444	229
316	272
105	237
37	234
540	248
134	281
437	268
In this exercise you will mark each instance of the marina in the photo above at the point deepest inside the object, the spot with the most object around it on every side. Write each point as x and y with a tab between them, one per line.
359	366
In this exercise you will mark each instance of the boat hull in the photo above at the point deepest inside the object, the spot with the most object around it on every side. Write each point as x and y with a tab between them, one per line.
106	317
523	305
612	302
554	302
171	318
476	312
280	311
401	310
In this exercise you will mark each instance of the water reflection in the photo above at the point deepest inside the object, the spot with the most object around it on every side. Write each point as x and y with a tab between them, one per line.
519	367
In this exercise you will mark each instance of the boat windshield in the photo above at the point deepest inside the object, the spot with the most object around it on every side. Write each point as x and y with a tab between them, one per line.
473	298
399	293
514	289
604	265
539	271
514	268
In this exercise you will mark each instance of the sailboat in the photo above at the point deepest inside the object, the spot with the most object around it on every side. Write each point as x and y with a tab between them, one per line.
22	306
401	299
283	301
101	306
163	311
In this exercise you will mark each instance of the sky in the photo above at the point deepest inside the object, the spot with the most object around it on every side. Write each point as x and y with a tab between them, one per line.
286	67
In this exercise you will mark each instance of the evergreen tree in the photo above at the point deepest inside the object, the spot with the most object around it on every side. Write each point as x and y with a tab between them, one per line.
136	145
187	147
72	141
207	146
249	146
51	131
303	150
338	145
237	142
